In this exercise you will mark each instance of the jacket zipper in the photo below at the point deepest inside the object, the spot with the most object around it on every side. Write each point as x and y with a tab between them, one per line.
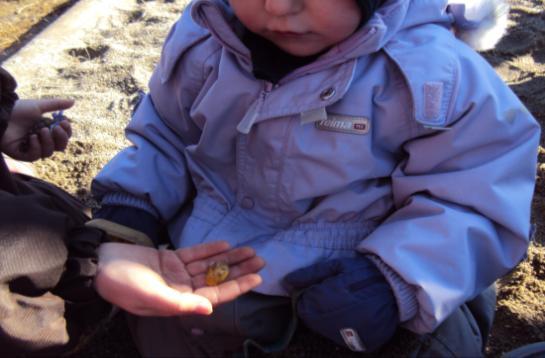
249	119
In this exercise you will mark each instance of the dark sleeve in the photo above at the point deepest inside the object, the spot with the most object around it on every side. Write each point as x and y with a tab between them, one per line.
8	97
48	260
134	218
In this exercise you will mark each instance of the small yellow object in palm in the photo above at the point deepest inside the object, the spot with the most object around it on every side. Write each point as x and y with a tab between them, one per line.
217	273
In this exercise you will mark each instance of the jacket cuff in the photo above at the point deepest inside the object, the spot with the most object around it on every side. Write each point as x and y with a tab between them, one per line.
127	200
115	232
130	217
404	293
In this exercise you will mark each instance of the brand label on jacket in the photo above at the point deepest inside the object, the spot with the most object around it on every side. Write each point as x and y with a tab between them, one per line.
344	124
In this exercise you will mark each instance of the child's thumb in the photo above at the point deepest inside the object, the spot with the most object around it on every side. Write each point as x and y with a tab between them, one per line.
174	302
190	303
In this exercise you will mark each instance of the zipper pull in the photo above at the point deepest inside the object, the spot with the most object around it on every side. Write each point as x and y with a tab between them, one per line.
249	119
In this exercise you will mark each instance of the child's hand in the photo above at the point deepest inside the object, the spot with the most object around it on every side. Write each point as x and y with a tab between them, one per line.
348	301
25	115
150	282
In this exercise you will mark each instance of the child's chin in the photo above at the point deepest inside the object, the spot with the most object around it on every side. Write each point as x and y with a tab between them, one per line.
300	51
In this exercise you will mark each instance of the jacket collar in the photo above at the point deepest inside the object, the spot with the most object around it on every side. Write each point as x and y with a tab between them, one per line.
218	18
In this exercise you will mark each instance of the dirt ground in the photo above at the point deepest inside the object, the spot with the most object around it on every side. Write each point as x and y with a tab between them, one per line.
107	72
21	19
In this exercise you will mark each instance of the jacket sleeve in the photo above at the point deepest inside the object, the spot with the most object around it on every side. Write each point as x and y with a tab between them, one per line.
8	97
48	261
151	174
463	198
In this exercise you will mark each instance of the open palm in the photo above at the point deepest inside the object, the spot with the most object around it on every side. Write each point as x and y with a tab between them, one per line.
151	282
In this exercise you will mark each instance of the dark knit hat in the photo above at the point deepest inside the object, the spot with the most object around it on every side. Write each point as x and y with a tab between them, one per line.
368	8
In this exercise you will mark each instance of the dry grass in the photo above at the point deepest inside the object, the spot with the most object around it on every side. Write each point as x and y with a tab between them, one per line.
19	17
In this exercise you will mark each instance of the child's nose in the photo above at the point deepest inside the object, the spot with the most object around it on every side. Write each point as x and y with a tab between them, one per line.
283	7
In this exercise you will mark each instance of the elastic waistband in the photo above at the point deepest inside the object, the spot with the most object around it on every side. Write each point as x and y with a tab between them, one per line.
327	235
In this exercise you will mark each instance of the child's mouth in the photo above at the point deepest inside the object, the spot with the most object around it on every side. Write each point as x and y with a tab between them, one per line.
288	34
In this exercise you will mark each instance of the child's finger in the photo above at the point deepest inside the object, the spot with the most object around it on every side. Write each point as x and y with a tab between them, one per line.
249	266
189	303
230	290
231	258
67	127
60	138
253	265
46	142
33	151
164	301
202	251
55	104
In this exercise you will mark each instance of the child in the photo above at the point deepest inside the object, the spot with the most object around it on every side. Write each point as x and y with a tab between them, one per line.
48	254
361	148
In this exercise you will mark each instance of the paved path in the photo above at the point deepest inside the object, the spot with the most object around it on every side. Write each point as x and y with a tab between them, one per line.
67	31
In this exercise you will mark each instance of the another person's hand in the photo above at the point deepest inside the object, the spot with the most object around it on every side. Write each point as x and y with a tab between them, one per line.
25	115
149	282
348	301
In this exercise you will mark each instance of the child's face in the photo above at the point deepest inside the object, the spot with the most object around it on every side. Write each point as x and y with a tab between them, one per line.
300	27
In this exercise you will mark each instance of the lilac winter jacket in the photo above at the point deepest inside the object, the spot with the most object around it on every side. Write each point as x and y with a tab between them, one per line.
400	143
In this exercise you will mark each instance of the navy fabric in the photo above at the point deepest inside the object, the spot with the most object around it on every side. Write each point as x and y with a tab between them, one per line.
346	293
271	63
132	217
368	8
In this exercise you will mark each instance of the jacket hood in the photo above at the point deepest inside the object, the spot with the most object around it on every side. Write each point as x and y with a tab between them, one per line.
479	23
